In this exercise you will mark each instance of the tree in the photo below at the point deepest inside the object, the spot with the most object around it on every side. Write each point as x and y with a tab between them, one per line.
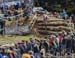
57	4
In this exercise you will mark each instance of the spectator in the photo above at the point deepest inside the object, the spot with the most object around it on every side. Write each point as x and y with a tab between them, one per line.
42	52
36	50
31	54
64	14
16	13
26	13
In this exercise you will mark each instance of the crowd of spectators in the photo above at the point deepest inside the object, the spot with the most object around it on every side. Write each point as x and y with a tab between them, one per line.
55	45
14	10
27	8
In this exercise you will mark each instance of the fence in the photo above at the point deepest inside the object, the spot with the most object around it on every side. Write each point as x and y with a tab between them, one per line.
12	25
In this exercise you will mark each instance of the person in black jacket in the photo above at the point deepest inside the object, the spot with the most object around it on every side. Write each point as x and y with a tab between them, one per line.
36	50
16	14
69	44
46	45
26	13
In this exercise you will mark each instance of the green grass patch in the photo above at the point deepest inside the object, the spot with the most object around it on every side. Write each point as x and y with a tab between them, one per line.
15	39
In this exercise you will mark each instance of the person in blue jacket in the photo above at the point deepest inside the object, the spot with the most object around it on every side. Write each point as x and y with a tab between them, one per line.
0	55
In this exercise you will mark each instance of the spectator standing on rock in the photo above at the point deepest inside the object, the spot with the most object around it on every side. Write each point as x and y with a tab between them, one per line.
64	14
46	17
26	13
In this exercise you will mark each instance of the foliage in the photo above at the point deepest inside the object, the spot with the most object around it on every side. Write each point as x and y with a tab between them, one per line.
59	4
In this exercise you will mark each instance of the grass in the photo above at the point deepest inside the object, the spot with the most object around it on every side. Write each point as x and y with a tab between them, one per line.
14	39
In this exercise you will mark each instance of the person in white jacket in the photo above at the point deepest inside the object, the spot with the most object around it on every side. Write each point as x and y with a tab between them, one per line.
43	52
